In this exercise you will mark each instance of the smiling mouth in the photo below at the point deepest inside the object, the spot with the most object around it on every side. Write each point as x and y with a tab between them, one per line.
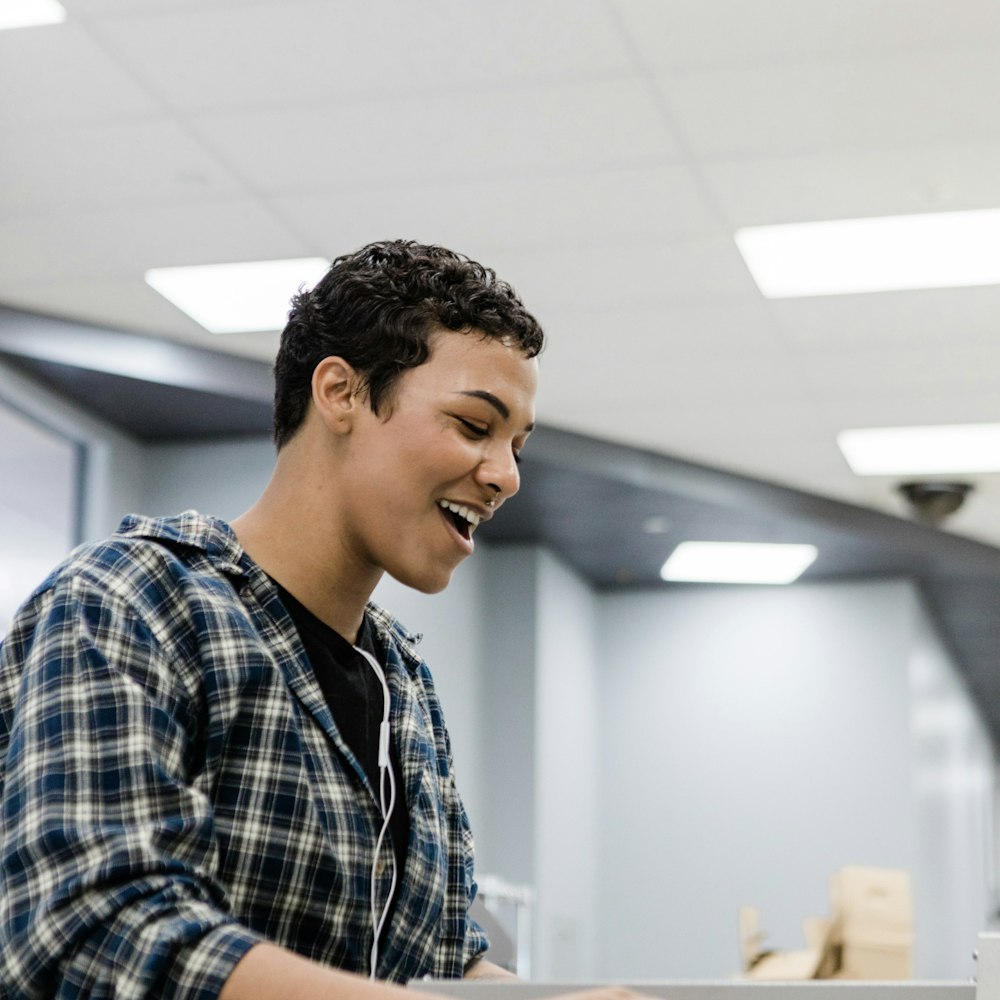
464	520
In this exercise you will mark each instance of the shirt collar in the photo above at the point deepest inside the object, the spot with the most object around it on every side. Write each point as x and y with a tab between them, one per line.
210	535
217	540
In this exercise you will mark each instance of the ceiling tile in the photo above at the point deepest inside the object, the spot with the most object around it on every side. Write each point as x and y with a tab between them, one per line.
937	405
581	335
516	211
299	52
57	74
126	242
743	383
830	107
626	275
86	9
940	178
686	34
434	139
110	164
766	440
876	371
956	318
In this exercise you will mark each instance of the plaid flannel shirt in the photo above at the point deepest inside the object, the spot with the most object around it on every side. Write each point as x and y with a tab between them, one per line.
174	788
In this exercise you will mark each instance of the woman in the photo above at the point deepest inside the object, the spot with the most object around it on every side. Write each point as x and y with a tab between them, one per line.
225	772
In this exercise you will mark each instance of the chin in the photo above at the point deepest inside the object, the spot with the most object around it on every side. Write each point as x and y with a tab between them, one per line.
426	583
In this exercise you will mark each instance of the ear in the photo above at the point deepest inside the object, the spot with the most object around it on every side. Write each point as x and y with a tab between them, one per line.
335	394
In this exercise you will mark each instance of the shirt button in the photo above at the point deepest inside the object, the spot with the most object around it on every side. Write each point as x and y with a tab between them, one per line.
380	869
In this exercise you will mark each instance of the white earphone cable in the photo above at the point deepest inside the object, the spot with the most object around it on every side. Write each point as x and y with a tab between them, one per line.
384	772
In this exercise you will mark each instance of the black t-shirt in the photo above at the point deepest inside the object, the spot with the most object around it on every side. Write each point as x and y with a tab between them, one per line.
354	694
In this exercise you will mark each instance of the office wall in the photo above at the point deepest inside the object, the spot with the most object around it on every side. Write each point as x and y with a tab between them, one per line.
539	758
38	505
64	477
756	740
505	823
568	745
221	478
112	476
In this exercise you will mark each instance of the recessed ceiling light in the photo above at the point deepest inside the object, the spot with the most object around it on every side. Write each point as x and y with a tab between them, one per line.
28	13
737	562
656	524
237	298
846	256
922	451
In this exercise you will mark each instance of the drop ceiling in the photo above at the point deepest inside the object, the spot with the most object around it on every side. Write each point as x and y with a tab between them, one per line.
599	154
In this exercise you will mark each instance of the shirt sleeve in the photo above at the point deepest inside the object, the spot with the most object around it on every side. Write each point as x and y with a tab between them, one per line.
476	941
107	883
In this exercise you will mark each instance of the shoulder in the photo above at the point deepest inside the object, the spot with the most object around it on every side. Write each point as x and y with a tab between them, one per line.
148	547
153	569
158	600
129	604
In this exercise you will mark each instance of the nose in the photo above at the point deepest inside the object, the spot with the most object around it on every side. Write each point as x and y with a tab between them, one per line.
499	471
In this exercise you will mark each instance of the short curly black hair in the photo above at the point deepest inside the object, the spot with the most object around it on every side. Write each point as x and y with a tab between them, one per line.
377	308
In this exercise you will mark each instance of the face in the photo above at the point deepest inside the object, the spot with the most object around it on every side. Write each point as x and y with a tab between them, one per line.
421	474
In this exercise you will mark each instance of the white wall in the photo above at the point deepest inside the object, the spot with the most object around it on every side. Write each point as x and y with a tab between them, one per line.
505	824
758	739
38	505
567	756
56	462
115	465
221	478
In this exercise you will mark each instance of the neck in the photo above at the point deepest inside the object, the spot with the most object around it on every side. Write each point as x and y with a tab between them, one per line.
301	545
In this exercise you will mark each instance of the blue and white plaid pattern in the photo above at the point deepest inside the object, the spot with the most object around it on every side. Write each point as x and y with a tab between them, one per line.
175	790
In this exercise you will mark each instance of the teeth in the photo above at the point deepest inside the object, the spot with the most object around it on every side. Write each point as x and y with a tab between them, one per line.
470	515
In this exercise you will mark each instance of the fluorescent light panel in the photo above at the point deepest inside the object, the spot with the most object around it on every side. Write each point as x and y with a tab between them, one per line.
943	250
922	451
237	298
737	562
29	13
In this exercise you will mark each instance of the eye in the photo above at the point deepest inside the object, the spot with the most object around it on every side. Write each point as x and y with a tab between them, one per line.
474	429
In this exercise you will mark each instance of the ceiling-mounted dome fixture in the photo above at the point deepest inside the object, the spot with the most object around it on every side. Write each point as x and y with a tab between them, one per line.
932	502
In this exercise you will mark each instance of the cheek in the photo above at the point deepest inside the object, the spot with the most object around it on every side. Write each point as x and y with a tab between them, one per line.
417	454
441	452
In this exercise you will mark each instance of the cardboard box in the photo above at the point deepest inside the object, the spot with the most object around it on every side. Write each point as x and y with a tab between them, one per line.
869	934
875	908
784	966
760	964
860	961
873	904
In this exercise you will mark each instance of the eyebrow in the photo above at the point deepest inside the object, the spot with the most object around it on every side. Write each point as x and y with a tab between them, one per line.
498	404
